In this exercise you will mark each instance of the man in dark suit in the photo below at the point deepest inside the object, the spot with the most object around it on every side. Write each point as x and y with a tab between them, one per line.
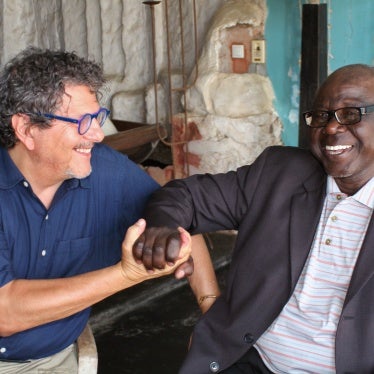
300	292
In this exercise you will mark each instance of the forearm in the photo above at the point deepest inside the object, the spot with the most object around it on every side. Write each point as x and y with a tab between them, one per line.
29	303
203	281
199	203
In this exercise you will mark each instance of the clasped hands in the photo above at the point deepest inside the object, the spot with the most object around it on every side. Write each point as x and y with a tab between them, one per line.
157	251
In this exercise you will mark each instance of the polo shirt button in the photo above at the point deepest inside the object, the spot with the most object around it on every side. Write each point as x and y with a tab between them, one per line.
248	338
2	350
44	252
25	184
214	367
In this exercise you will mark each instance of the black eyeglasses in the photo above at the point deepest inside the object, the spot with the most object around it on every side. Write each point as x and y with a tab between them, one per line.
84	123
344	116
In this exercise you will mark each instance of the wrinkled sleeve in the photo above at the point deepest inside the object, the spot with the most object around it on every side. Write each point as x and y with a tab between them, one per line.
200	203
6	273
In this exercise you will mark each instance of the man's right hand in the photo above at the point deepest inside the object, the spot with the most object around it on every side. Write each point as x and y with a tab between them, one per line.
157	247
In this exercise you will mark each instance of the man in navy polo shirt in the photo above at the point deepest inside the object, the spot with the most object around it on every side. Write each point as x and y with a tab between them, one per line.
65	205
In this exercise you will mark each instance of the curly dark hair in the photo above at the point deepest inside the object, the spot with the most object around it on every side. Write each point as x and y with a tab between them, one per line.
34	82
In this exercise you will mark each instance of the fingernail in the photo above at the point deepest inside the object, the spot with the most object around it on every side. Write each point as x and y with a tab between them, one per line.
140	222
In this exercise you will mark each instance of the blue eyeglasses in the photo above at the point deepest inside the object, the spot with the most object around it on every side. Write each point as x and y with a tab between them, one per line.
84	123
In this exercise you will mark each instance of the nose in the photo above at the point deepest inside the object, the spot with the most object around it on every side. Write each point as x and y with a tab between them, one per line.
333	126
95	133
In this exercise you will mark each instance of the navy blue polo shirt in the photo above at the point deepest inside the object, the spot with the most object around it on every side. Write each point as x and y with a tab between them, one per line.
81	231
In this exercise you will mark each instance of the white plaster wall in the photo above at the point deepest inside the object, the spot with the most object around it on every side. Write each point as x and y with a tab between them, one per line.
234	113
115	33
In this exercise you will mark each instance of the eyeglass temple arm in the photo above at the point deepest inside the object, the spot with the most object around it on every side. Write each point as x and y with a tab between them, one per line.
368	109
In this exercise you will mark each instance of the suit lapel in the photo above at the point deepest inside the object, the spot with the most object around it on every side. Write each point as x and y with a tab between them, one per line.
306	208
364	268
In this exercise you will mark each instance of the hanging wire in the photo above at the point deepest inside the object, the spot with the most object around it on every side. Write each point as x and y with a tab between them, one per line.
172	89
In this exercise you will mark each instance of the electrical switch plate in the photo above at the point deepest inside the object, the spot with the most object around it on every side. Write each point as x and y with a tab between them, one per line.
237	51
258	51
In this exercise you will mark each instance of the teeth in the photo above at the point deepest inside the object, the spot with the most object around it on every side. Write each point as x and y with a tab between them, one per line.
337	147
84	150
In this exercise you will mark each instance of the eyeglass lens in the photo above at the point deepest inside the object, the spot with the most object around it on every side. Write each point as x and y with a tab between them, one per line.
86	120
345	116
348	116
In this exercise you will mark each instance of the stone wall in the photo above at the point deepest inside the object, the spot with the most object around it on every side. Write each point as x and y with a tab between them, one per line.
229	117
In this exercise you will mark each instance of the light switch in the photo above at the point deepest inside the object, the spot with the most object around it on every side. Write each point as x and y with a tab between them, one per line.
258	51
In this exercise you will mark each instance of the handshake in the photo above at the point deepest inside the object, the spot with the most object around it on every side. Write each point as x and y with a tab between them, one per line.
155	252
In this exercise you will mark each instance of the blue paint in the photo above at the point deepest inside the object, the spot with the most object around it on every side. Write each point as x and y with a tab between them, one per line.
351	32
283	36
350	38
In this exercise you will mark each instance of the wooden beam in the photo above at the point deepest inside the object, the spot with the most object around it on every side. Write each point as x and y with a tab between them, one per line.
313	60
126	140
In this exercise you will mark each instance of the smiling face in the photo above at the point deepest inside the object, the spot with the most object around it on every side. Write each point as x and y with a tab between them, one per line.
60	150
346	152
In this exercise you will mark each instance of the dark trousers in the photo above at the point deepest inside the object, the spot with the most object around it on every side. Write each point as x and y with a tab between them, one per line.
250	363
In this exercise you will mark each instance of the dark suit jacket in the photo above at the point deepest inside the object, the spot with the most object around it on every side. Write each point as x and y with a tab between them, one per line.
275	204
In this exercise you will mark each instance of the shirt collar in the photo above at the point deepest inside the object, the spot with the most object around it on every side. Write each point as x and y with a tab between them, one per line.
10	174
365	195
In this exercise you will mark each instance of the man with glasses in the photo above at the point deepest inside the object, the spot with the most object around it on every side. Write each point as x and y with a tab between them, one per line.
65	205
299	296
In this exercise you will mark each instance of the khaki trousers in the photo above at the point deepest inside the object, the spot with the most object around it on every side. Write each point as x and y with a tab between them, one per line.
64	362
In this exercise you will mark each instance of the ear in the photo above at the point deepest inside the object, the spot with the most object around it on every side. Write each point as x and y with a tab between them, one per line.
23	130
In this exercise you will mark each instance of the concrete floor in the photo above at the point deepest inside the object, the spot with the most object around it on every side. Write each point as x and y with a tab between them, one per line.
145	329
